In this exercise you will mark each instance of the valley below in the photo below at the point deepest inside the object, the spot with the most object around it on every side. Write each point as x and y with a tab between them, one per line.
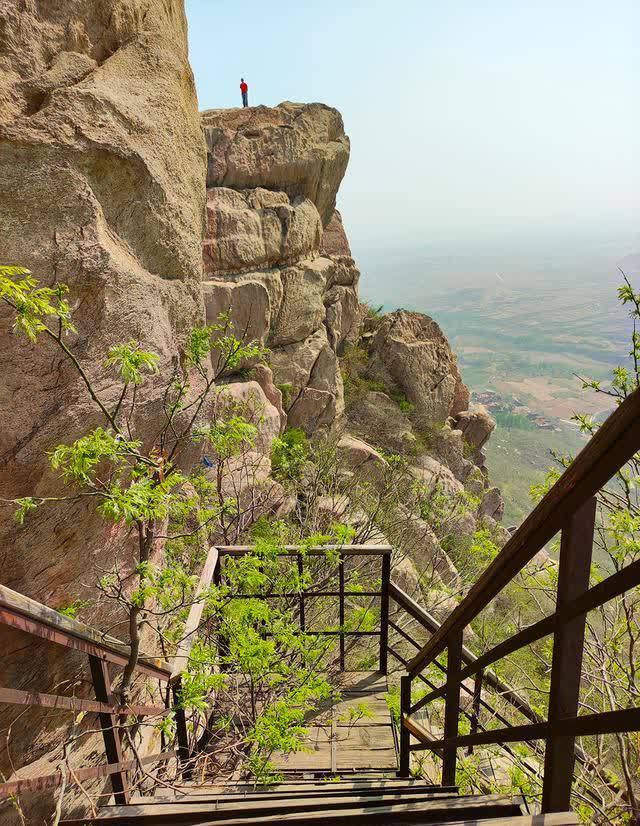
527	322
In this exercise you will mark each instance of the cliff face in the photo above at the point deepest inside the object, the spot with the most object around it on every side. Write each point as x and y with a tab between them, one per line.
103	182
102	174
276	256
272	179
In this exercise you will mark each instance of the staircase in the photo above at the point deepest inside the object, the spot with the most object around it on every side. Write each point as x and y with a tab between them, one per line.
366	801
379	788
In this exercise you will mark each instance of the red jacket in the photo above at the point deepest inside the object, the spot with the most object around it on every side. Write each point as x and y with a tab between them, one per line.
244	88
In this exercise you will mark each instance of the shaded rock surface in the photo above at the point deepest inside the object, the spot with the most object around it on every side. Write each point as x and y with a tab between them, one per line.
411	351
258	228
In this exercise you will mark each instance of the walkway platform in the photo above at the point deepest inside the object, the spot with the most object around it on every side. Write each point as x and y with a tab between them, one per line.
346	741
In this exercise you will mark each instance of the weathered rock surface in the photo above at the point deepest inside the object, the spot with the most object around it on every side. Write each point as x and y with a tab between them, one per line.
378	419
334	241
476	425
410	350
300	149
102	170
310	372
257	228
108	179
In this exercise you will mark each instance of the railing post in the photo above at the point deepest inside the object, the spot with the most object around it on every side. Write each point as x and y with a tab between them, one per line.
566	667
452	708
301	600
475	709
405	705
384	612
109	726
181	732
341	598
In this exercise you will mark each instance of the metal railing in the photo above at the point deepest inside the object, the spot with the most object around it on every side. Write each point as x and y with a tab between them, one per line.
34	618
570	508
342	593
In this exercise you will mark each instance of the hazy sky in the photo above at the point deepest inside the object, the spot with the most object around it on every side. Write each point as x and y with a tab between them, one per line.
466	117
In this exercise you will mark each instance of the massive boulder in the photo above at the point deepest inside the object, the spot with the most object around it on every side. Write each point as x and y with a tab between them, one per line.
297	148
102	170
410	350
106	178
476	425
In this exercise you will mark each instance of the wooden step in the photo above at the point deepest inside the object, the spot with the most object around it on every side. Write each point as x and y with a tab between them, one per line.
200	794
403	807
556	819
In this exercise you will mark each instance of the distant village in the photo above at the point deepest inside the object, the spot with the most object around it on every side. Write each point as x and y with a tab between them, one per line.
496	403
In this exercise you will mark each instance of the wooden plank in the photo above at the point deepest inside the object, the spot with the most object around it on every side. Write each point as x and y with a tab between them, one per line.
611	447
475	712
404	769
452	708
341	609
181	659
384	614
37	619
247	787
511	734
321	811
301	604
566	666
317	550
376	786
558	819
110	730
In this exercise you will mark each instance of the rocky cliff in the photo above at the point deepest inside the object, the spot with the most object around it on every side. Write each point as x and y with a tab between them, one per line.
158	217
102	174
277	257
272	180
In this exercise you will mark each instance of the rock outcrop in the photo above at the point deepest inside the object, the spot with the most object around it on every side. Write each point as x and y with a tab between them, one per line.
300	149
272	180
411	351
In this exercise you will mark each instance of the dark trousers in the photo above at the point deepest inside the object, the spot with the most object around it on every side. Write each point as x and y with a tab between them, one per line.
245	98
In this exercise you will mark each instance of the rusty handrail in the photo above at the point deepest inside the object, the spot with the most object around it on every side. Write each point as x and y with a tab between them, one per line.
569	507
609	449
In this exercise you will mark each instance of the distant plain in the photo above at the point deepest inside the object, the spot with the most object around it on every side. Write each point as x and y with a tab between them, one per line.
525	317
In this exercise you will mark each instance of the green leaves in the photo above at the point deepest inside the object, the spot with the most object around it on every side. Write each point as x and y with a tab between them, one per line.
78	461
229	437
130	362
289	454
142	500
33	305
25	505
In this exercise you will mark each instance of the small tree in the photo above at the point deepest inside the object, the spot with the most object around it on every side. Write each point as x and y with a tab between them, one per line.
136	484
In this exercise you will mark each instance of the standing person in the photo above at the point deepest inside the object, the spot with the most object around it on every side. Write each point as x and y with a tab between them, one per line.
245	92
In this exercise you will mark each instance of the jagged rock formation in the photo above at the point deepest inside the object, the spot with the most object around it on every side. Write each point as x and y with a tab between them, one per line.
411	351
102	170
272	180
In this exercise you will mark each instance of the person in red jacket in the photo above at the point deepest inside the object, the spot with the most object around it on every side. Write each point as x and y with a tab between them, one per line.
245	92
